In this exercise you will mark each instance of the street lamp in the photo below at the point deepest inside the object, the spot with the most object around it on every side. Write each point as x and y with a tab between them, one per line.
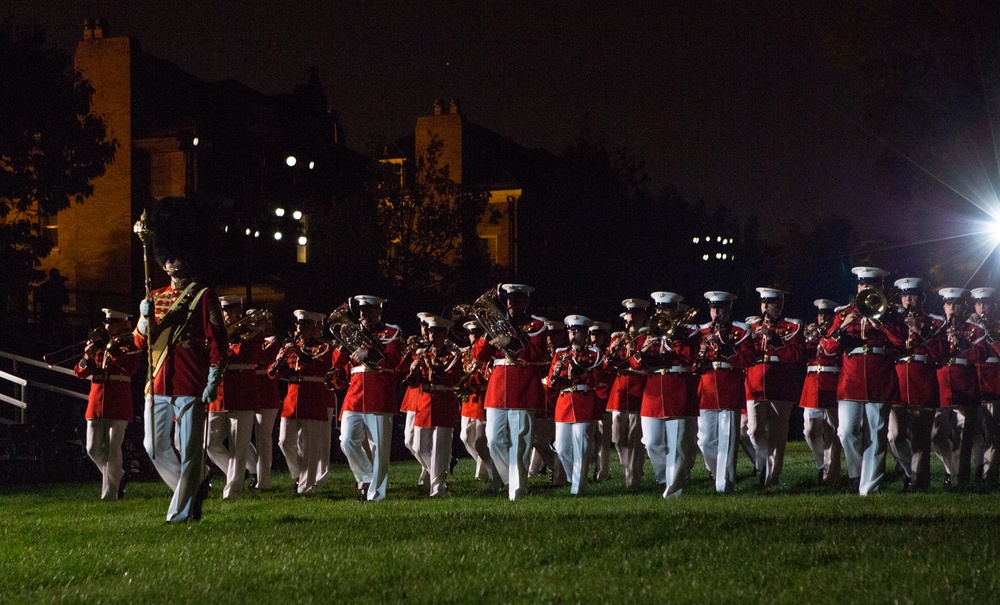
290	161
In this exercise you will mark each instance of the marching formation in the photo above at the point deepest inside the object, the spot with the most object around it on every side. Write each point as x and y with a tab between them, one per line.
530	395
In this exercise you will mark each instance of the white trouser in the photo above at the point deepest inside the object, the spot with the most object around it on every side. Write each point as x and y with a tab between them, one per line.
543	454
601	453
370	464
909	436
410	441
990	418
264	433
231	459
819	427
434	448
626	434
767	424
573	443
508	434
104	446
863	432
299	441
951	439
181	470
718	438
325	443
670	445
474	438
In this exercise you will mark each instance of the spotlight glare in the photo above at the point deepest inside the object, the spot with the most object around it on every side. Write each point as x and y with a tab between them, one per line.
279	212
290	160
302	240
277	235
297	215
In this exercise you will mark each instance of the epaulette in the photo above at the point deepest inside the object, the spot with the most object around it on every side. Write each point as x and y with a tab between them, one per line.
396	333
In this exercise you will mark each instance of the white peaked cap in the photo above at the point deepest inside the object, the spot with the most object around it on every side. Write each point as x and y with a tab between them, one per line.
635	303
599	326
472	325
367	299
983	293
869	272
231	300
517	289
951	293
766	293
112	315
435	321
666	298
909	283
718	296
825	304
577	321
551	324
303	315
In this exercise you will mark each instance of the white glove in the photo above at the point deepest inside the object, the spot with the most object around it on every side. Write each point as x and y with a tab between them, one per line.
214	378
145	308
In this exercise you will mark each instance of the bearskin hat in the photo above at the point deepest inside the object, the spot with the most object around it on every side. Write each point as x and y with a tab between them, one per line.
183	229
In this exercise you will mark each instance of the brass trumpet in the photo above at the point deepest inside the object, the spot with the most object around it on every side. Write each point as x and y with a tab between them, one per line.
660	325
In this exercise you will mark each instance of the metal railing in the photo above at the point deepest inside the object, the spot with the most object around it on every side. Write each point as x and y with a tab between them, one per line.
23	386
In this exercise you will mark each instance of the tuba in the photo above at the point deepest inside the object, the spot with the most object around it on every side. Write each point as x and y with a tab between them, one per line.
492	315
350	335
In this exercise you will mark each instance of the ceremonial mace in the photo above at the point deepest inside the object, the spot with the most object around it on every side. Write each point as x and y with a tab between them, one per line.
141	228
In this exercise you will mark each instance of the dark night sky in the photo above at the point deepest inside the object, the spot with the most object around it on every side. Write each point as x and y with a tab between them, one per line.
731	102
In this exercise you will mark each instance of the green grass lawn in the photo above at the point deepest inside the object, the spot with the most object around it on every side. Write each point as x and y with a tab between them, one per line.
799	543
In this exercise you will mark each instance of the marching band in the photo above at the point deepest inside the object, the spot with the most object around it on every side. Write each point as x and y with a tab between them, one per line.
876	376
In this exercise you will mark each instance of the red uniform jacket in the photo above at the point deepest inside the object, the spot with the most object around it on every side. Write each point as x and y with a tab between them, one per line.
308	397
238	391
958	378
111	383
777	375
374	391
434	380
202	342
475	385
989	369
916	368
518	384
729	350
671	389
574	374
629	383
819	390
268	397
868	359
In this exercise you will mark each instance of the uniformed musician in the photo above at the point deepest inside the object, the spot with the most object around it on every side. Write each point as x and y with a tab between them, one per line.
543	433
269	404
515	388
408	406
958	417
231	415
912	417
868	383
599	333
371	399
819	396
574	373
625	396
984	449
435	372
670	398
725	349
304	363
109	367
472	391
773	383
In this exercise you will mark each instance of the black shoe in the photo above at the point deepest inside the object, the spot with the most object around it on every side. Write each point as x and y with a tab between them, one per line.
906	485
121	486
199	498
452	465
363	492
819	477
253	481
295	487
947	479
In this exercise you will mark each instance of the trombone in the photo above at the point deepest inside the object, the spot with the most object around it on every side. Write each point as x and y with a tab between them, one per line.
98	336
